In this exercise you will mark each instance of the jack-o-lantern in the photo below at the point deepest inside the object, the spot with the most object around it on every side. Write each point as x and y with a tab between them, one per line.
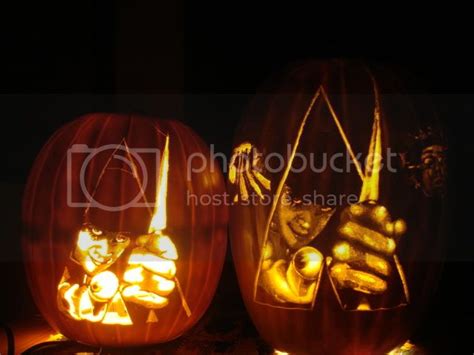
338	183
118	250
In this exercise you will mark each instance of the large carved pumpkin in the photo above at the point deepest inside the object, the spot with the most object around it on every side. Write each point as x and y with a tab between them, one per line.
118	249
338	186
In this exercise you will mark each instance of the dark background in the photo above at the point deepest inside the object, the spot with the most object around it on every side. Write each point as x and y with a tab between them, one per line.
200	62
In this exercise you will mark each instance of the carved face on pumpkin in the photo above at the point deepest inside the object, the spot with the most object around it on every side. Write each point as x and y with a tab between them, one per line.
96	250
433	164
425	160
298	222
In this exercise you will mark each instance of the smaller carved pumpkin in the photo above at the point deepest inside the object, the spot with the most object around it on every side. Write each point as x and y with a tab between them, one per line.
116	251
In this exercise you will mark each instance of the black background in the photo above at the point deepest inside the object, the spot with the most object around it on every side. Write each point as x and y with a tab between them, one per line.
200	62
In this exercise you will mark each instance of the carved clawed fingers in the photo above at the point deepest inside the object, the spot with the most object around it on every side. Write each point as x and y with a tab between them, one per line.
245	173
150	272
136	294
161	245
346	253
367	239
152	263
375	217
373	240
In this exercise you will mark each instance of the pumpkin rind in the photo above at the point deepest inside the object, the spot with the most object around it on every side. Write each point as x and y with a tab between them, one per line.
316	92
51	224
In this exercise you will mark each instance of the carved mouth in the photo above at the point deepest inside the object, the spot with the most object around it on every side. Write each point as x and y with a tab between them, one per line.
300	228
305	230
98	258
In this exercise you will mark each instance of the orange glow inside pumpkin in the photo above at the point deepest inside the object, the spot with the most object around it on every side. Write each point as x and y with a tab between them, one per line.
150	275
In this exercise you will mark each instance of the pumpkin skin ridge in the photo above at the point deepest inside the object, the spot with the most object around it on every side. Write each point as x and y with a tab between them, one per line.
47	145
215	217
58	328
103	335
205	305
212	227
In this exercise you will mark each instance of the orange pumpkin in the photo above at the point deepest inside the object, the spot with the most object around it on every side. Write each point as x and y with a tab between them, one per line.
117	249
338	184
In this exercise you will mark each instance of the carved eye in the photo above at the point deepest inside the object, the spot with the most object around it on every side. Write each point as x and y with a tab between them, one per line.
120	238
96	231
428	161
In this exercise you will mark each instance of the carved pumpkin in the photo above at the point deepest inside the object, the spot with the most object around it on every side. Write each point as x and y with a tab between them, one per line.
117	250
338	184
